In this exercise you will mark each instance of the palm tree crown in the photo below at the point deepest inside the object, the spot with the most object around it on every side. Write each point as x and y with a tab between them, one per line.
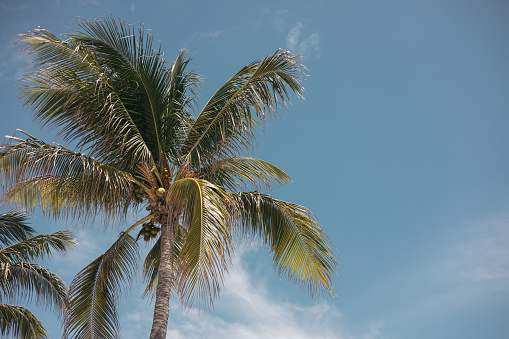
129	113
20	277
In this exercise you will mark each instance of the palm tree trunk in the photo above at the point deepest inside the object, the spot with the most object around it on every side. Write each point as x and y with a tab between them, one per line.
164	281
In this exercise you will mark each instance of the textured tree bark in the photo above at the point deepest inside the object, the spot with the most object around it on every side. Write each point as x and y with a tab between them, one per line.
164	280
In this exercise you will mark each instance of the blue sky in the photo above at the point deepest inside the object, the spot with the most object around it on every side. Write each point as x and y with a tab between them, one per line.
399	149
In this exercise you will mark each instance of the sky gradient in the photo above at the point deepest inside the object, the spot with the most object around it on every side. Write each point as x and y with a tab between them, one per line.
399	149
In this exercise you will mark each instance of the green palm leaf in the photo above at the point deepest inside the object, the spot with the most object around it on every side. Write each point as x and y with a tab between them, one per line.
13	228
72	90
226	125
20	323
154	95
38	247
23	277
237	171
60	180
300	247
206	211
128	113
94	292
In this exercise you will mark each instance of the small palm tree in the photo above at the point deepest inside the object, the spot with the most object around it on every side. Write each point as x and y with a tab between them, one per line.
20	277
138	144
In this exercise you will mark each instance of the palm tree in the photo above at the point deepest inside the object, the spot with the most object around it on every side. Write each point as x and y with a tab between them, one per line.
137	143
20	246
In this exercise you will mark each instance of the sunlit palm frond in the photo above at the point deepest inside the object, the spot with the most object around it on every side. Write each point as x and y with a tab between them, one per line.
13	227
181	99
227	123
38	247
301	249
237	171
94	292
22	279
206	213
25	280
61	181
71	89
155	96
18	322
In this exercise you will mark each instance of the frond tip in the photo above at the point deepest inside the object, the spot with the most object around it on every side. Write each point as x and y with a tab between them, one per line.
206	209
228	122
301	248
19	322
94	292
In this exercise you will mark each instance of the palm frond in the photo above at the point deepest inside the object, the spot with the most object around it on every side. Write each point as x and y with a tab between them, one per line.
13	227
94	292
19	322
26	280
206	214
301	249
226	125
60	180
235	172
71	89
155	96
178	119
38	247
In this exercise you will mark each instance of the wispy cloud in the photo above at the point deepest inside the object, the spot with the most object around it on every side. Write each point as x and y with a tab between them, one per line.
10	8
248	309
280	18
274	17
90	2
211	35
12	64
307	46
467	273
132	7
480	252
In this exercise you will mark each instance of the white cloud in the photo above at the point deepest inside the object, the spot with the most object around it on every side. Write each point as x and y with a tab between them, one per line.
279	18
213	34
308	46
12	64
248	309
276	18
132	7
480	253
468	272
90	2
292	41
9	8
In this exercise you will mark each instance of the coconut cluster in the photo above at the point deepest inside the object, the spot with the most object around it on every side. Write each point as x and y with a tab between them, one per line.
155	199
138	194
149	231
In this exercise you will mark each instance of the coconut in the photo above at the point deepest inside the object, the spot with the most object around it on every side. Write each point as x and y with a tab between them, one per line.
160	192
146	238
154	231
